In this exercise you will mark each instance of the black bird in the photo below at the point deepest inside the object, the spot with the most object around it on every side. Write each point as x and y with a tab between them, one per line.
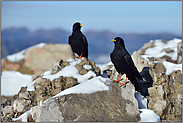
124	64
78	42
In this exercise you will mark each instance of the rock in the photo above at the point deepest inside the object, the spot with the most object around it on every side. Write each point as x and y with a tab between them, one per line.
34	77
101	106
40	59
26	95
7	110
157	102
62	83
140	62
19	106
7	66
45	88
58	65
173	97
85	61
48	111
179	53
145	46
157	72
164	92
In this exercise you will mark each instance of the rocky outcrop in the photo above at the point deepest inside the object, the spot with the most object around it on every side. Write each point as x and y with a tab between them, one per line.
102	106
118	104
44	89
38	60
164	92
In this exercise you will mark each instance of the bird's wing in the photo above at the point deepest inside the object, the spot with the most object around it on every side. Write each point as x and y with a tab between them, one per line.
85	41
69	40
131	64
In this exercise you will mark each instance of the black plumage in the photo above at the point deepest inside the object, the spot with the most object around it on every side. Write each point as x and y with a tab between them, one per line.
124	64
78	41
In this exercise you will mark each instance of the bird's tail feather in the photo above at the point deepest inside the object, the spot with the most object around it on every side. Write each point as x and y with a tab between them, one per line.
137	85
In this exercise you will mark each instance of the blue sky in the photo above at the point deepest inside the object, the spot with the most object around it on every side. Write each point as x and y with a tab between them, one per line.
116	16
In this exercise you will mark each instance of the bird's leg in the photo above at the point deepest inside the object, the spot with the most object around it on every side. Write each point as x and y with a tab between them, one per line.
81	55
76	55
124	82
118	79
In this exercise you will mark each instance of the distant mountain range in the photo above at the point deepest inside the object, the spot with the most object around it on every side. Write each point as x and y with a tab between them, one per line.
17	39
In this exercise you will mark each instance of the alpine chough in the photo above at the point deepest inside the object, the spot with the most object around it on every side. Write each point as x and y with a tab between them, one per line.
78	42
124	64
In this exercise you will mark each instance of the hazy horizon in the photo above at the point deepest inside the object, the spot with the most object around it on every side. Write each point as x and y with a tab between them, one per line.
93	30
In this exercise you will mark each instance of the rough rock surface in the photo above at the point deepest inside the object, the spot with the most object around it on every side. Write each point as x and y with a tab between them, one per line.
101	106
164	94
179	53
13	107
164	91
38	60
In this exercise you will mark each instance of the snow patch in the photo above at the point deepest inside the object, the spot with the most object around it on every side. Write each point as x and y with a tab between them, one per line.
69	71
89	86
158	51
148	115
87	67
170	67
12	81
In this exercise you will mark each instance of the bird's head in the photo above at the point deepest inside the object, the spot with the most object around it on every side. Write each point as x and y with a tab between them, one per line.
118	41
77	26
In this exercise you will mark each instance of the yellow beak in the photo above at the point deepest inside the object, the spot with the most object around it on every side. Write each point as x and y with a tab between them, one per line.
81	24
113	40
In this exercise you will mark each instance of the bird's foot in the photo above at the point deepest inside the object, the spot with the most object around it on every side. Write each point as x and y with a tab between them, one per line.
118	79
80	56
75	56
124	82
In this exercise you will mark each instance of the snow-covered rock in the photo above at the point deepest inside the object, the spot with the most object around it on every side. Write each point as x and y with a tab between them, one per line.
79	90
159	59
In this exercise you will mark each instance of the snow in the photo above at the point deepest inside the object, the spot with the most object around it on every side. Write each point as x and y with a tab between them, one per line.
12	81
87	67
158	51
148	115
97	83
89	86
70	71
20	55
170	67
142	101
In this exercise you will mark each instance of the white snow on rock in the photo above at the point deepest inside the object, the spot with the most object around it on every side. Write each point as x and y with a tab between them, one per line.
158	51
87	67
70	71
148	115
20	55
170	67
89	86
12	81
23	117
